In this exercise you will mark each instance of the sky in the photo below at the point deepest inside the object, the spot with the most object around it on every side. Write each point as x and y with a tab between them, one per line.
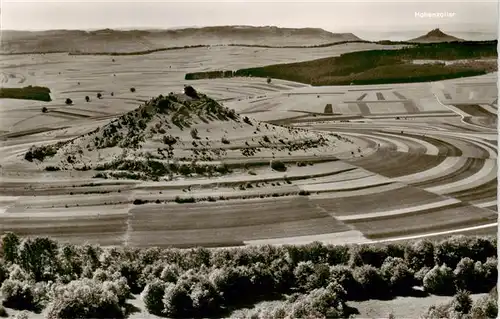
333	15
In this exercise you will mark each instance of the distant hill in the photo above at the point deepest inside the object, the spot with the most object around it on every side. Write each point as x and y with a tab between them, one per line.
435	35
108	40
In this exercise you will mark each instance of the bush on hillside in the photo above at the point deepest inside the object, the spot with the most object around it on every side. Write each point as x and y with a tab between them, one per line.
486	274
194	134
171	273
328	109
152	296
420	275
4	272
420	254
440	280
10	245
310	276
132	90
84	299
18	295
44	109
372	284
462	302
326	302
278	166
36	256
398	275
450	251
25	314
367	255
87	98
3	312
68	101
343	275
486	306
466	277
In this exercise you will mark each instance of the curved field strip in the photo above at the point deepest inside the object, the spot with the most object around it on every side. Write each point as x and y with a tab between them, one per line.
215	223
414	145
462	169
426	221
71	225
445	148
482	172
384	200
340	238
481	230
394	164
484	194
448	166
398	212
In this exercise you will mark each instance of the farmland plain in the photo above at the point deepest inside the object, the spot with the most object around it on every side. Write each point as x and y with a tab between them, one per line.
409	160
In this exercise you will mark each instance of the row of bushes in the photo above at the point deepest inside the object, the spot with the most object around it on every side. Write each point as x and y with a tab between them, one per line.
200	282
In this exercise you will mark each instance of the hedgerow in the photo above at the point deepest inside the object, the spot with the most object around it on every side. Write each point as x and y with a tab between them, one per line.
89	281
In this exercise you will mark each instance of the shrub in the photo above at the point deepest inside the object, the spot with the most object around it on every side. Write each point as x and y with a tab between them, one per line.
17	273
485	307
84	299
224	140
68	101
465	275
190	91
232	283
3	312
278	166
87	98
440	280
372	284
450	251
119	287
326	302
462	302
309	276
486	275
22	315
18	295
247	120
268	80
132	90
194	133
153	296
138	201
304	193
131	271
398	275
420	254
4	273
10	246
171	273
343	275
328	109
52	168
44	109
99	95
177	302
367	255
419	275
37	255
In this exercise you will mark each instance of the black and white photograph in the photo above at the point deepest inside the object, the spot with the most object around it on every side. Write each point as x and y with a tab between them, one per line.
248	159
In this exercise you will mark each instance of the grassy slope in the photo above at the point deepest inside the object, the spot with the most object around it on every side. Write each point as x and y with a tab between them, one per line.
382	66
38	93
